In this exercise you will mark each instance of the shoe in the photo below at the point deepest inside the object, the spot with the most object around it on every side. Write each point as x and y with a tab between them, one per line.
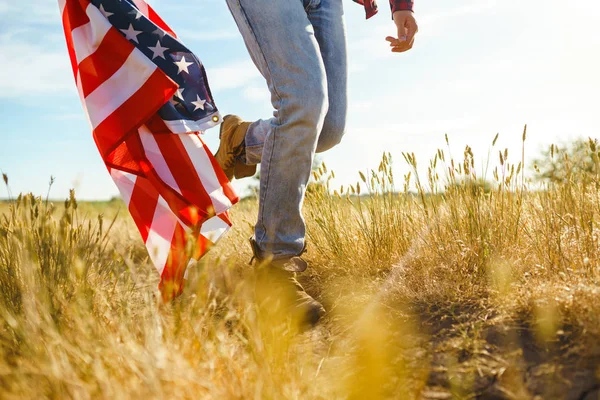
233	147
279	290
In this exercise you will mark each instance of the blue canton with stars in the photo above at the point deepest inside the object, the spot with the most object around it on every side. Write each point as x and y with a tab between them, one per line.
193	102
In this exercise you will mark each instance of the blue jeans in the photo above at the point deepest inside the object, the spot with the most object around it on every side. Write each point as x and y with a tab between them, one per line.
299	46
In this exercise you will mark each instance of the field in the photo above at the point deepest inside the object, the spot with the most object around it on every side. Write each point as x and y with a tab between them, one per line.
436	287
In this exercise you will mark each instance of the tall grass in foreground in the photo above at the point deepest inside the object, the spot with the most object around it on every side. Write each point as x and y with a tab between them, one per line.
458	284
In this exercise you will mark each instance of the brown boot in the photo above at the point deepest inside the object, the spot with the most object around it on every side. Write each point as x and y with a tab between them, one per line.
232	147
280	294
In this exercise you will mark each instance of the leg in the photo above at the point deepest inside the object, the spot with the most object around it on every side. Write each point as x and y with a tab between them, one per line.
330	30
282	43
326	17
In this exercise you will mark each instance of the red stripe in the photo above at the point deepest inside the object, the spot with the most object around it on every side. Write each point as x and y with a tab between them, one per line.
142	205
157	125
225	218
105	61
122	158
172	282
182	169
73	17
158	21
74	14
225	184
132	114
180	206
202	245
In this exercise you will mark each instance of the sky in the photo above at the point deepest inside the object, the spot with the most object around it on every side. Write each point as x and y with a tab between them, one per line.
479	67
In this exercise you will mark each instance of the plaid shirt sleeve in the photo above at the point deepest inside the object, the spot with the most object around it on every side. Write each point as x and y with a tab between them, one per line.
401	5
396	5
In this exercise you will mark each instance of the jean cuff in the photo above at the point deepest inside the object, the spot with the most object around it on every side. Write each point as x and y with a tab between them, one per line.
253	154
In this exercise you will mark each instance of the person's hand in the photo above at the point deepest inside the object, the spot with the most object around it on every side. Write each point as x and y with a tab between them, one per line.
407	28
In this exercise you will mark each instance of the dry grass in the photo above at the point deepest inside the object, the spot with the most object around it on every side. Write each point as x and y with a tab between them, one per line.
450	291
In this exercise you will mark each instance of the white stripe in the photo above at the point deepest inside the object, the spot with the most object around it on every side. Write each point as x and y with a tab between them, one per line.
125	182
155	156
214	229
61	6
116	90
185	126
161	234
205	170
87	38
143	7
80	91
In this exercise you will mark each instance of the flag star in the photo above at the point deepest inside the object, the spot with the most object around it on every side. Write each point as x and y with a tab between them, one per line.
199	103
160	33
158	50
137	13
131	34
104	12
179	93
183	65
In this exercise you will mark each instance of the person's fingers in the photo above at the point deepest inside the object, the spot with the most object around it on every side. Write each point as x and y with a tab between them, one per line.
401	47
402	32
393	41
411	30
404	47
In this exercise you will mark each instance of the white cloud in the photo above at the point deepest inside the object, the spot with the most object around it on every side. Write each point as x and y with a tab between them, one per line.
71	116
234	75
372	35
258	94
29	69
431	24
36	12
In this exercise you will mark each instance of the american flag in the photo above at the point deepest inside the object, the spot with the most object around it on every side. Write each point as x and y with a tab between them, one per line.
147	99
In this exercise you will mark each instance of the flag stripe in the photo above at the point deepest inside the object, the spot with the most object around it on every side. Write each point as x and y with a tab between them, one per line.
125	182
214	228
155	156
73	16
120	87
144	200
183	171
223	181
154	17
172	275
158	243
201	161
81	96
112	53
87	38
149	12
126	117
157	125
61	6
142	6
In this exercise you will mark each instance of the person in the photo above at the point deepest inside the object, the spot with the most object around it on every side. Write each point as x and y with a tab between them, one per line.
300	48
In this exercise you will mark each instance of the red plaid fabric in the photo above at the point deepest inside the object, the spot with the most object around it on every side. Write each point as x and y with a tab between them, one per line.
396	5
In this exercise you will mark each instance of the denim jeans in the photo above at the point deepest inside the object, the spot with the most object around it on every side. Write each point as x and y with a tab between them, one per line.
299	46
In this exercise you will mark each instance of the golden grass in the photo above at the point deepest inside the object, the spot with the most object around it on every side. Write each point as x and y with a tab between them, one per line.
454	290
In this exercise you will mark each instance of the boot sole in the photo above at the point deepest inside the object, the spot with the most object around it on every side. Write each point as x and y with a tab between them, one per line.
241	171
